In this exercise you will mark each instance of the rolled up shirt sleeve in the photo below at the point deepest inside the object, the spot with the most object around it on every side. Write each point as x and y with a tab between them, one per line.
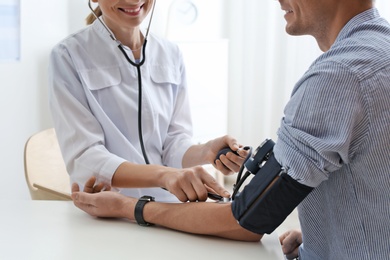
322	124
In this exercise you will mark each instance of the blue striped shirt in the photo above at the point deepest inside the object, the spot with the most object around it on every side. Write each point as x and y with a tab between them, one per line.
335	136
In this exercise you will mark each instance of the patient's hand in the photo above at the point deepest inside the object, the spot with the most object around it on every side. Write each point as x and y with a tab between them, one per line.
290	241
102	204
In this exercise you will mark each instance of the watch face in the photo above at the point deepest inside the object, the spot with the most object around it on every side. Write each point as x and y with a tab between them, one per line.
185	12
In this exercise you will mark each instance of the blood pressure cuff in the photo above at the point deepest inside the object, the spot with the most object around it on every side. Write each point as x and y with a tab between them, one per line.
268	199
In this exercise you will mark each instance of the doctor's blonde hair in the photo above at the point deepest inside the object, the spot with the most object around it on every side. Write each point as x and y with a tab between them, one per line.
91	18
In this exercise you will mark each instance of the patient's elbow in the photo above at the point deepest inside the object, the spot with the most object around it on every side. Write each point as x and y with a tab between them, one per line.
241	234
251	237
254	238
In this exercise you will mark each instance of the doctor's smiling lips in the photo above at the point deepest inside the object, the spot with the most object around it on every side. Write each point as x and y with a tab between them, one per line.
132	11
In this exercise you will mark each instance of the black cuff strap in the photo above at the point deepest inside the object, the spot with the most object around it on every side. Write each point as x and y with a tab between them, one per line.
139	209
268	199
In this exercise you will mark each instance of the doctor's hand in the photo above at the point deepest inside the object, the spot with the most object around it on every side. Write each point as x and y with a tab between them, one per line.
229	163
290	241
103	204
191	184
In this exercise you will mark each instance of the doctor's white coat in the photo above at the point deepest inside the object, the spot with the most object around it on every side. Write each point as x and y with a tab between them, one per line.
94	104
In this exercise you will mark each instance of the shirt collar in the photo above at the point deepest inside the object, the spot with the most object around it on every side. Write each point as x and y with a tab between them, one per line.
101	29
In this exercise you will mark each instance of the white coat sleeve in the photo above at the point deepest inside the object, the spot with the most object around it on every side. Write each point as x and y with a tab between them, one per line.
80	135
179	136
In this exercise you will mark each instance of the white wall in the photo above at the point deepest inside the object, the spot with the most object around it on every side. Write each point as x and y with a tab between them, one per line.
205	53
384	8
23	102
77	12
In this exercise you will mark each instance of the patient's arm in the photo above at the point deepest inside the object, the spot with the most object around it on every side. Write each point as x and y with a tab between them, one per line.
207	218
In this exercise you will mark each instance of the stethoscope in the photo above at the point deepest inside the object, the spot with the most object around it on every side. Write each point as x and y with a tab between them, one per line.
136	65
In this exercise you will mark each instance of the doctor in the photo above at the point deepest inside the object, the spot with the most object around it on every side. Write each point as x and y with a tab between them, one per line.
113	117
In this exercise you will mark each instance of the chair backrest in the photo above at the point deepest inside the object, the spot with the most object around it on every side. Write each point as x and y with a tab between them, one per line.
44	168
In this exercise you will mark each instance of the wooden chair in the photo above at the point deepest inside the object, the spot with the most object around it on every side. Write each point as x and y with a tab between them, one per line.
44	168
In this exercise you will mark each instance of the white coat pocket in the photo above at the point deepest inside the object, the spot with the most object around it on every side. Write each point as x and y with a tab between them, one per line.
101	78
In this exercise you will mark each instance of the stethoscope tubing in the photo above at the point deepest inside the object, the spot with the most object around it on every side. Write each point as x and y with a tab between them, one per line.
137	65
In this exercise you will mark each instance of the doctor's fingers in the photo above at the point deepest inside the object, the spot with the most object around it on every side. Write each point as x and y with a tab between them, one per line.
236	160
198	191
91	186
101	187
190	184
210	182
179	193
227	166
189	187
195	191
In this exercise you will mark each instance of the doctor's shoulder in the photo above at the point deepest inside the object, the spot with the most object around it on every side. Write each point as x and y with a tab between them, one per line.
72	38
163	44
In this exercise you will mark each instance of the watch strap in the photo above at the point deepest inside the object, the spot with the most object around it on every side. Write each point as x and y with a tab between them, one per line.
139	209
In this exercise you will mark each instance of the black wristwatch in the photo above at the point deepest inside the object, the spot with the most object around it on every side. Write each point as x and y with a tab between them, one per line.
139	209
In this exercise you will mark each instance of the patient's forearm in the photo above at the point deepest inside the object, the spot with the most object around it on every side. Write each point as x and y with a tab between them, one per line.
207	218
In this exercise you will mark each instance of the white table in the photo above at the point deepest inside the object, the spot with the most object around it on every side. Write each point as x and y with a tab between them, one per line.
58	230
